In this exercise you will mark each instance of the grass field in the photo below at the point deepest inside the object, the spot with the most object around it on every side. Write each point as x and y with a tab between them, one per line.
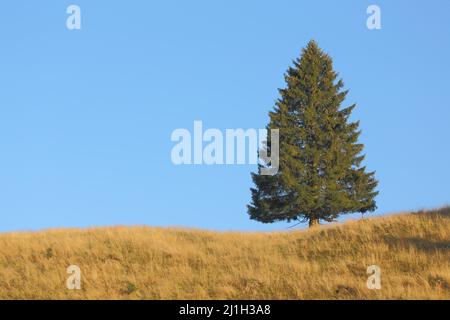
330	262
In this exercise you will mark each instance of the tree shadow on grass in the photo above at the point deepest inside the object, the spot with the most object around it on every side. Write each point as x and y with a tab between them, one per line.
417	243
441	212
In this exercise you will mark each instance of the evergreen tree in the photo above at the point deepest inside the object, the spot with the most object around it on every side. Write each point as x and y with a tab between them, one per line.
320	174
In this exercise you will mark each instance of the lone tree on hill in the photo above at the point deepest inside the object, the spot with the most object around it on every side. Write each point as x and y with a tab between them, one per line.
320	174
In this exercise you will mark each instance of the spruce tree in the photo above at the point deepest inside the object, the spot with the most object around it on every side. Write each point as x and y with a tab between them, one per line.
320	174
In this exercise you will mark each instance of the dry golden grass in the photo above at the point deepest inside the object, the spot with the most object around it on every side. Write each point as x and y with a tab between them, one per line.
413	251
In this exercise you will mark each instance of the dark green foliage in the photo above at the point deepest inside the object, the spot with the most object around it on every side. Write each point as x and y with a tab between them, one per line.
49	253
131	287
320	174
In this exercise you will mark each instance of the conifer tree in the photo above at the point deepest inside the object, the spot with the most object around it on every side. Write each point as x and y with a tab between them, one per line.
320	174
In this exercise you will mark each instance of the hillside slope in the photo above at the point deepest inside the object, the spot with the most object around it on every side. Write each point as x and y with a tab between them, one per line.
412	250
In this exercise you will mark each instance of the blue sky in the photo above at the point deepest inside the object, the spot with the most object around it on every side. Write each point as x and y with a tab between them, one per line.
86	115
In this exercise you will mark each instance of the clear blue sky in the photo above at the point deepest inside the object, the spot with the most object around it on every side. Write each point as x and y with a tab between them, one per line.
86	116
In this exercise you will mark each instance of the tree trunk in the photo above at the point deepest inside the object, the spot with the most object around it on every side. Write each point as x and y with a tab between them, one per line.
313	222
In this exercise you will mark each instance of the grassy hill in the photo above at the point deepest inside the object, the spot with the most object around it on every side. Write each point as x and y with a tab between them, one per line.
412	250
